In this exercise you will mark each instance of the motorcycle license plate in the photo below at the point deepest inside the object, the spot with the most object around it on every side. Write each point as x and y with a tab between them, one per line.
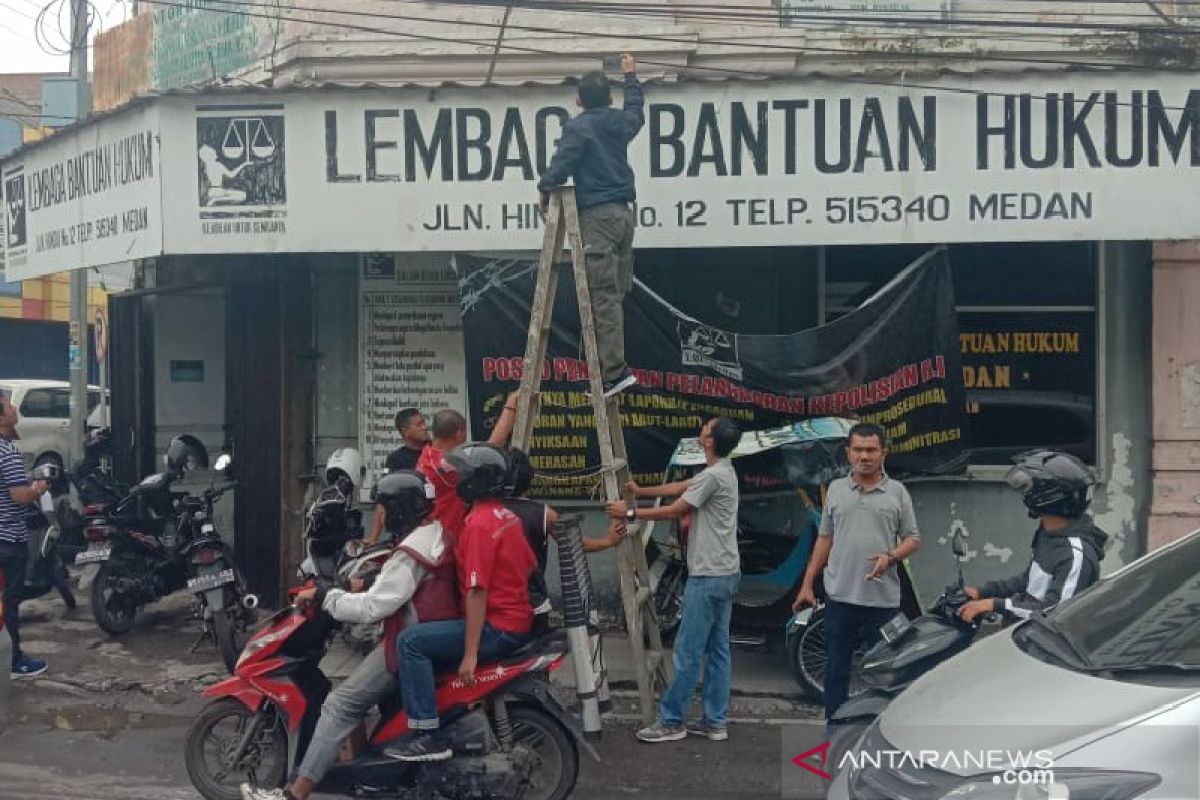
91	556
892	630
203	583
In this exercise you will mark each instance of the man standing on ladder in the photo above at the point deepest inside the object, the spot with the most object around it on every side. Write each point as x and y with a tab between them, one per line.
593	150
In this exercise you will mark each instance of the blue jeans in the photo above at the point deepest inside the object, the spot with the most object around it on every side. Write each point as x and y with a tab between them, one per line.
438	646
703	637
847	627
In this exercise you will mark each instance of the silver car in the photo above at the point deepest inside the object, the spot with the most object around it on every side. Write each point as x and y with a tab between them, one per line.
1099	698
5	674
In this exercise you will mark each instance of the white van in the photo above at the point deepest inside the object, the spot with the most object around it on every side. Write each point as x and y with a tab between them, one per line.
45	424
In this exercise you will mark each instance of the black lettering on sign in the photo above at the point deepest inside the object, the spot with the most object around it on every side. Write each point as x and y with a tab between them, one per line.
843	133
1075	130
789	108
708	149
1160	126
985	130
1112	105
374	144
541	134
1049	155
332	175
750	137
477	143
513	132
431	151
660	138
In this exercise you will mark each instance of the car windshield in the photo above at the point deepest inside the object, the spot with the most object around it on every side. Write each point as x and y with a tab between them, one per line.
1146	614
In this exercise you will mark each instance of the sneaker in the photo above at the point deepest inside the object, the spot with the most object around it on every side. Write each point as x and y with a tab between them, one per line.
420	746
250	793
620	383
26	667
662	732
710	732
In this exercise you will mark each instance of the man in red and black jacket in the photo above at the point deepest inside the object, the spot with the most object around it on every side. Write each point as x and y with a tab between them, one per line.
494	562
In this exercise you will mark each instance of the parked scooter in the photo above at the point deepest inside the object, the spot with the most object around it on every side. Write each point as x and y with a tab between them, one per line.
333	546
907	650
162	541
83	494
511	738
44	569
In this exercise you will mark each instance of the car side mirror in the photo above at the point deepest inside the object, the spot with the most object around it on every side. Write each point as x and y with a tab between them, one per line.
46	472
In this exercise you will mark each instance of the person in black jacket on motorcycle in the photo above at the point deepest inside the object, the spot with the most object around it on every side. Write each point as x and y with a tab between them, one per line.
406	499
1067	546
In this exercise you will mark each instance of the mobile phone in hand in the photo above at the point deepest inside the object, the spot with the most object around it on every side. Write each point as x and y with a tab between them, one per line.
612	63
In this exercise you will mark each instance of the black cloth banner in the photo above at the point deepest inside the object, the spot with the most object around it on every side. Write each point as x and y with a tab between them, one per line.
894	361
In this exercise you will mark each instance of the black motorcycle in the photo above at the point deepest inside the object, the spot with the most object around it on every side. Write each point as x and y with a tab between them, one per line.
906	650
44	569
82	496
162	541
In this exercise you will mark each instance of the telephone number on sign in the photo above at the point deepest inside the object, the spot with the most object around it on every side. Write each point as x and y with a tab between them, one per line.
867	209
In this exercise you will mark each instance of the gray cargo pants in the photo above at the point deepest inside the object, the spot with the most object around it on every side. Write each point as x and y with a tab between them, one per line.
607	232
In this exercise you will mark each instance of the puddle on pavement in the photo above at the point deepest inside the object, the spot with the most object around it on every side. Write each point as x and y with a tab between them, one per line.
102	720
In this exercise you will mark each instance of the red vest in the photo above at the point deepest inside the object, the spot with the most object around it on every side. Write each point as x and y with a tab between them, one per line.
435	600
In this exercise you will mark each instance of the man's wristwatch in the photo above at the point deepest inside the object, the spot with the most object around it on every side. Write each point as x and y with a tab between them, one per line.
631	513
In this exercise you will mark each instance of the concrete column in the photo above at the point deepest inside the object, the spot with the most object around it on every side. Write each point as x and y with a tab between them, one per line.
1175	508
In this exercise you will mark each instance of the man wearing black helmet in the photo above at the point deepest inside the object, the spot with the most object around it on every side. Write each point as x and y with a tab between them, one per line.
1067	546
494	562
416	584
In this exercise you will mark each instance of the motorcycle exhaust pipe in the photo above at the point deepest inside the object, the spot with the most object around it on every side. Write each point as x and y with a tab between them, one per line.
250	602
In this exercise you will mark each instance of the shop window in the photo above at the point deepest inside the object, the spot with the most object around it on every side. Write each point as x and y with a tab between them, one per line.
1026	314
1027	323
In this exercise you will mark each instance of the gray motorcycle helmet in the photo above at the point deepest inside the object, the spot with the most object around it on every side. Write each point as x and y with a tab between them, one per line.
1052	482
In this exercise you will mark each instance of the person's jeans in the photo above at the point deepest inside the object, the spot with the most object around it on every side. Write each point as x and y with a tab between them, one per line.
607	233
344	708
12	563
438	646
847	627
703	640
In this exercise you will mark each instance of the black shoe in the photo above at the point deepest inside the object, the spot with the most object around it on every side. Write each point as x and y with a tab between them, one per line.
420	746
620	383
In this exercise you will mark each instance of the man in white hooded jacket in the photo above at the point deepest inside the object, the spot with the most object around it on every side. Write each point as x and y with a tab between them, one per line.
408	585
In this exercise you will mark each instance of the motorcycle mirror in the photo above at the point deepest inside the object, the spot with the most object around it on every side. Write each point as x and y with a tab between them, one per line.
223	462
959	545
46	472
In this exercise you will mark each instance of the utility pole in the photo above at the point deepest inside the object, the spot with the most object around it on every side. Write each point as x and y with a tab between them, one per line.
78	339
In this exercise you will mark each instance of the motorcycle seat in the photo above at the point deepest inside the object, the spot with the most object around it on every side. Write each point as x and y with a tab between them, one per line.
552	642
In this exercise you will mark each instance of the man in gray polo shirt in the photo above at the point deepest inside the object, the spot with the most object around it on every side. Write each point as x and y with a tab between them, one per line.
714	570
867	528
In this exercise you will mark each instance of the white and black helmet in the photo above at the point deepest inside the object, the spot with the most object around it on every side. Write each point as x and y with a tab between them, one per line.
1051	482
345	462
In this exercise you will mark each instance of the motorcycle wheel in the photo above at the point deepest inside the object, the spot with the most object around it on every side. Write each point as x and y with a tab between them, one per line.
808	660
556	759
668	601
114	612
226	641
210	745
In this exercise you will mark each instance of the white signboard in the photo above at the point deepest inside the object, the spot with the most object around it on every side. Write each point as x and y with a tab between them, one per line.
1065	156
85	198
411	345
1083	156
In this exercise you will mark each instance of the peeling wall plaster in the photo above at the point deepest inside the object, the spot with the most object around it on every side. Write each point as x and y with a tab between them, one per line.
1119	518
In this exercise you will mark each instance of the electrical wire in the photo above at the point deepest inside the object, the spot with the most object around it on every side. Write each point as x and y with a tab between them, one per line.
728	71
756	45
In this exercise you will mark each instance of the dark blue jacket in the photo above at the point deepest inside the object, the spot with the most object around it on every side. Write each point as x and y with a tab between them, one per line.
593	148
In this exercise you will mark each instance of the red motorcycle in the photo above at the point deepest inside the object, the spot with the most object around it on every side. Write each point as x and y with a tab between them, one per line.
512	739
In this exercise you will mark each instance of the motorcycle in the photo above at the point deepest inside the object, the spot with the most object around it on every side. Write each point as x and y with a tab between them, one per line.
907	649
81	503
44	569
511	738
161	541
334	551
